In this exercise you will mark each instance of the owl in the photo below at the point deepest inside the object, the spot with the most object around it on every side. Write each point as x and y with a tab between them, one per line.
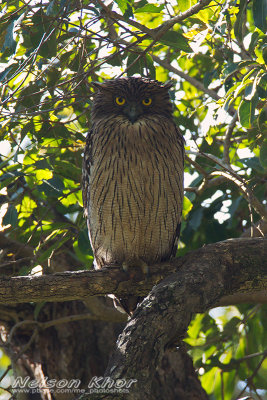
133	175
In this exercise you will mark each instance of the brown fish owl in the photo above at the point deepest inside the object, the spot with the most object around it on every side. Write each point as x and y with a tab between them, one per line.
133	175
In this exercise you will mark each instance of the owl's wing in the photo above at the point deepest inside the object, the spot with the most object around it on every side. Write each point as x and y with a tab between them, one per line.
180	139
87	162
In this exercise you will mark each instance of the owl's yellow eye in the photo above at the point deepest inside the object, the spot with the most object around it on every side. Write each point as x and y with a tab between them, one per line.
147	101
120	100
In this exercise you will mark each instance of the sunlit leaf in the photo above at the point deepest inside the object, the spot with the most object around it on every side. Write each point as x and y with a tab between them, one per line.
150	8
246	113
185	4
187	206
43	174
27	207
122	4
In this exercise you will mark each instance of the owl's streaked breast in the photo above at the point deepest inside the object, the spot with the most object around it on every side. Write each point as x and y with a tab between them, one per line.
135	190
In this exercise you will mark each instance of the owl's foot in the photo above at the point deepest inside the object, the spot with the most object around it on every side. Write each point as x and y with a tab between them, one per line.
130	267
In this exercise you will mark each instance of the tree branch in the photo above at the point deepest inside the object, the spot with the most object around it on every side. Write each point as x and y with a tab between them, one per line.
81	285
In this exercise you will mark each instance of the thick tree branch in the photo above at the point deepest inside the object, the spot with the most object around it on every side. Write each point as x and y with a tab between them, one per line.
235	253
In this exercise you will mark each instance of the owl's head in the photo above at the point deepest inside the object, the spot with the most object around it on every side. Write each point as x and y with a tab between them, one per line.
133	98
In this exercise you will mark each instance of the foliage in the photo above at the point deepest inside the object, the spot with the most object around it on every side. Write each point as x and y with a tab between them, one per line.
51	52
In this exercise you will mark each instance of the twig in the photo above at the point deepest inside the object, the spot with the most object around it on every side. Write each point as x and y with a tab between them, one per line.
197	166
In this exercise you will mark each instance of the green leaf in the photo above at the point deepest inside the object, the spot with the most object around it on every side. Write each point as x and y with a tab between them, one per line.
240	20
253	41
176	40
263	154
184	4
9	43
264	53
246	112
135	66
84	243
195	326
52	187
262	120
149	8
68	170
260	14
11	216
122	4
115	61
30	96
53	75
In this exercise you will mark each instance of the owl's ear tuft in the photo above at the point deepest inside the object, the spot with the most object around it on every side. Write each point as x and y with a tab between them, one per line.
99	86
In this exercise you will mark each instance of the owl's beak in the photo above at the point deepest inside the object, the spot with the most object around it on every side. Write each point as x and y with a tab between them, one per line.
133	111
